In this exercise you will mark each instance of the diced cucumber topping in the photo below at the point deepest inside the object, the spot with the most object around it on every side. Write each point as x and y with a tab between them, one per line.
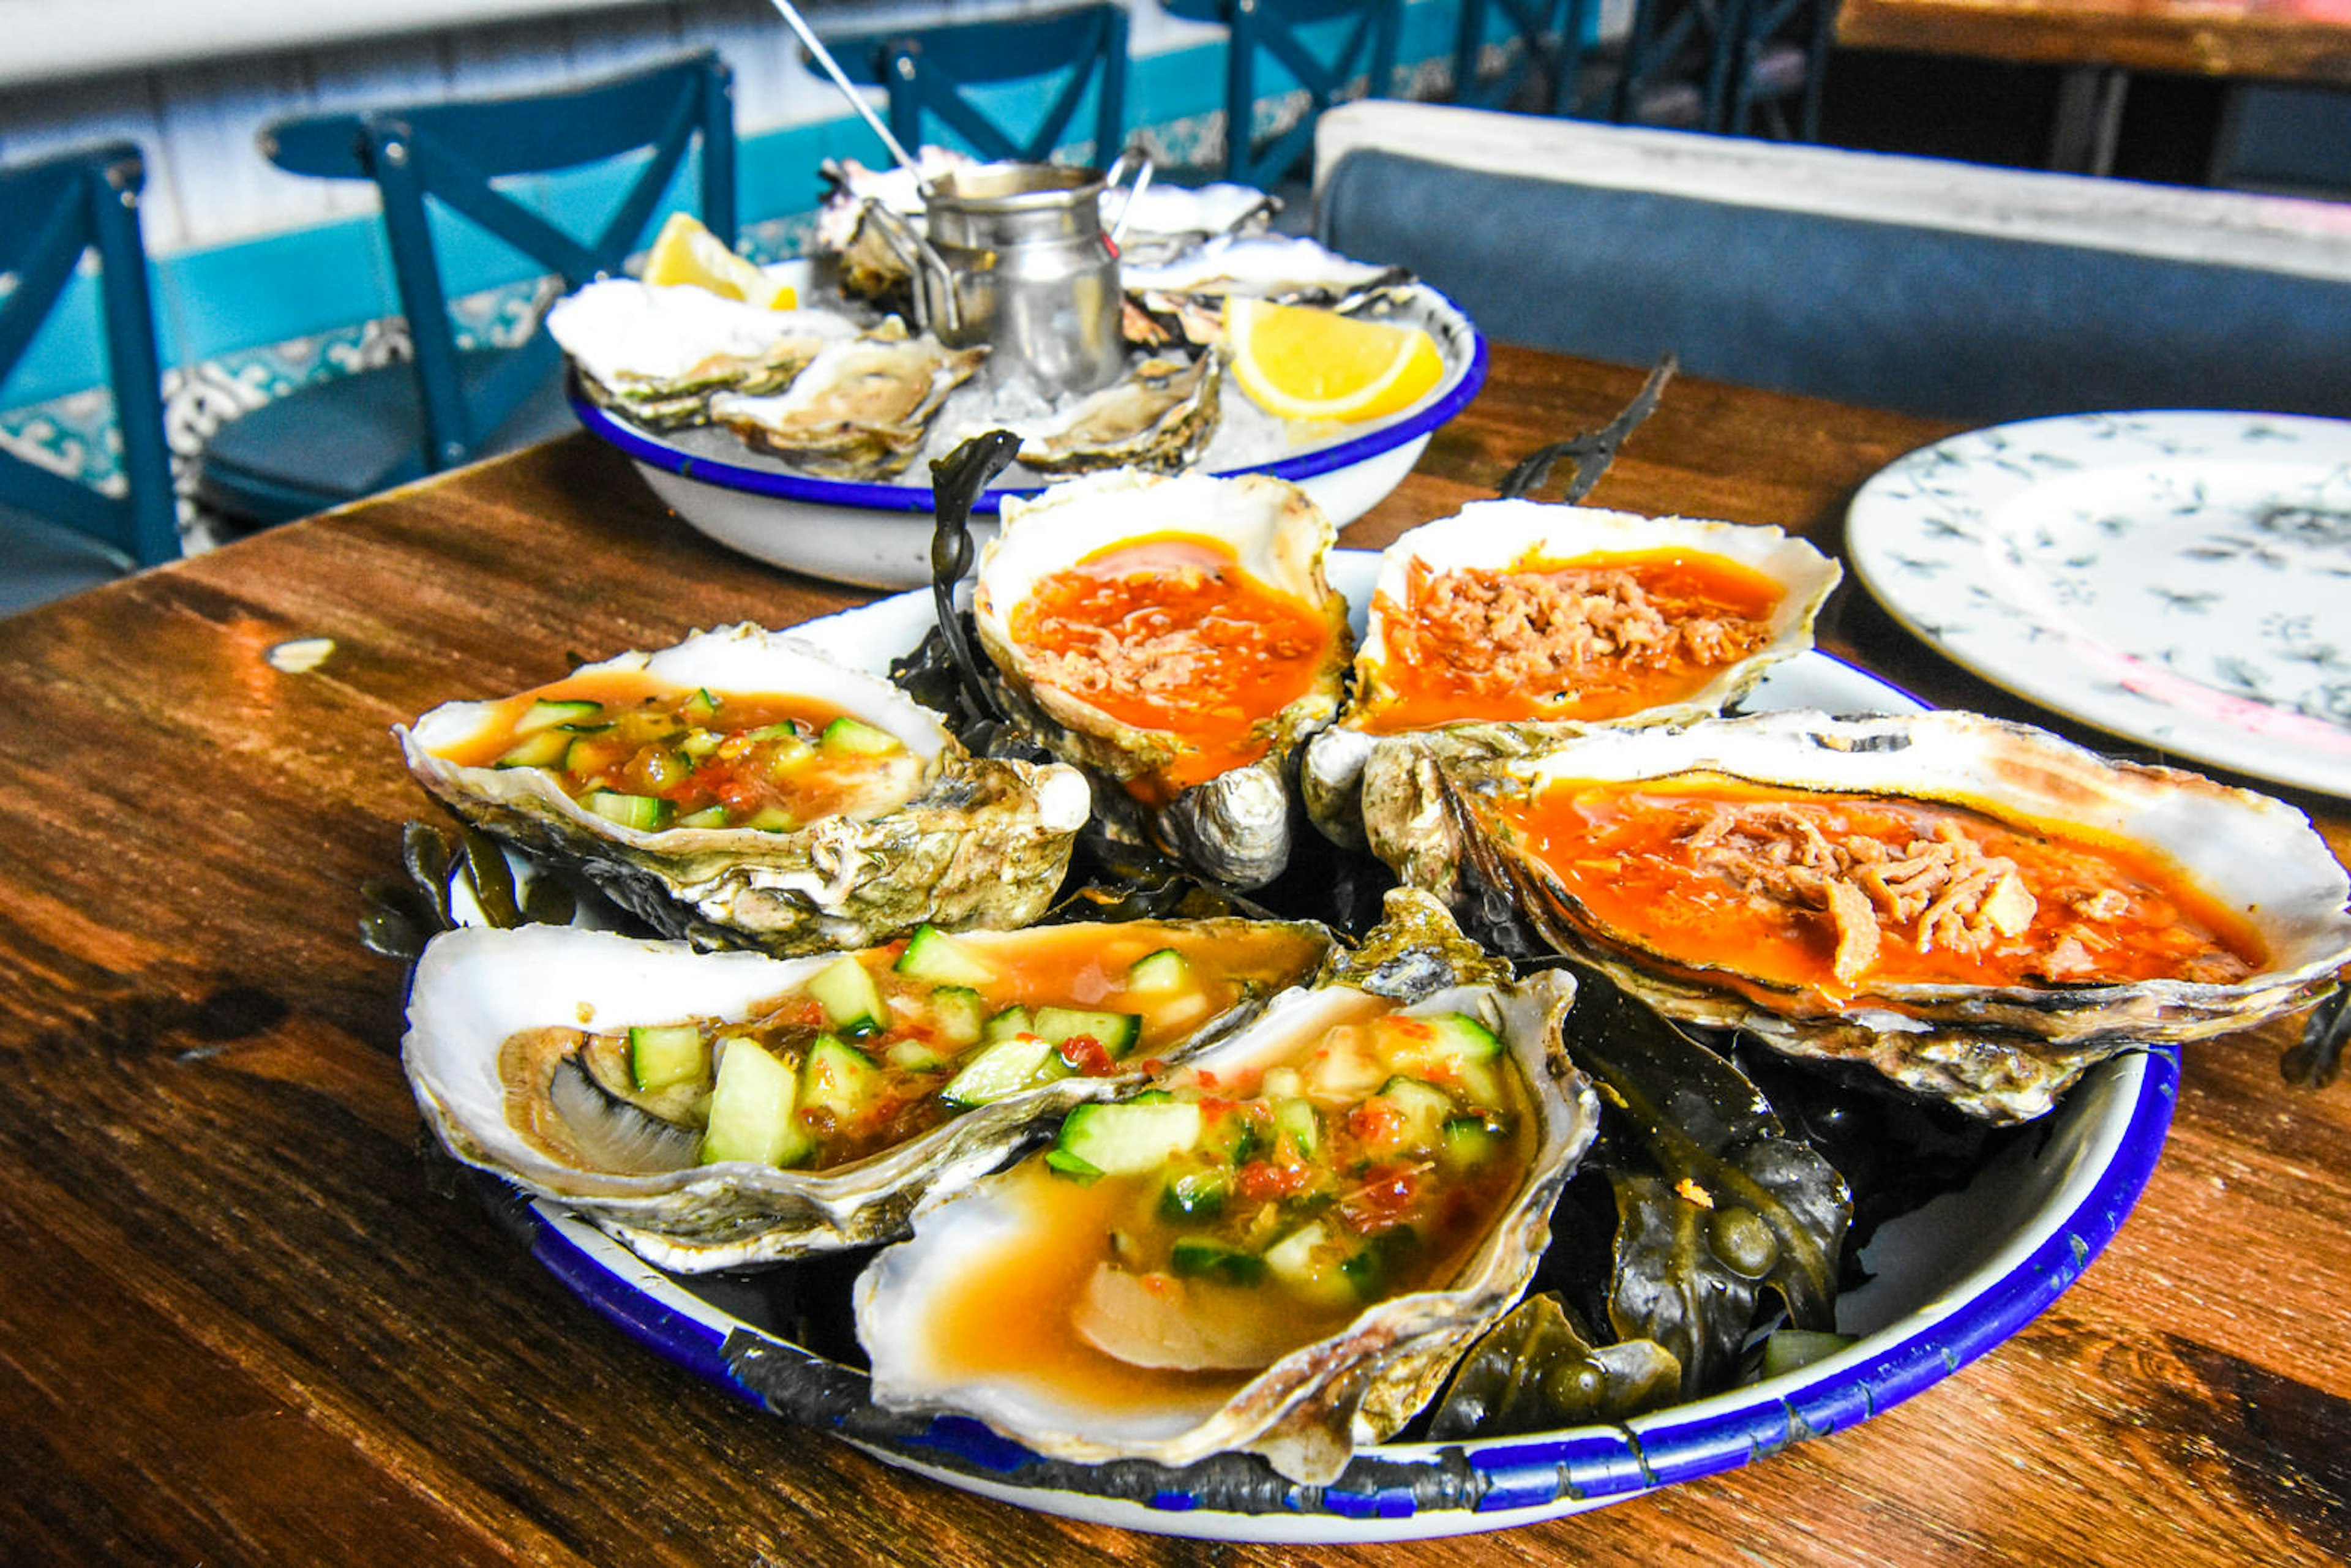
700	743
708	817
699	708
547	748
1006	1067
1372	1269
1157	974
931	955
646	813
913	1056
549	711
1459	1034
850	1000
753	1109
1471	1140
1070	1165
1408	1116
847	737
1008	1023
1115	1032
661	1055
772	819
1296	1122
790	755
1294	1257
958	1015
839	1078
1131	1137
1194	1194
1195	1257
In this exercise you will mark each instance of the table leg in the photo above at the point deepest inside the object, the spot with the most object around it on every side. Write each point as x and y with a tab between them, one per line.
2089	120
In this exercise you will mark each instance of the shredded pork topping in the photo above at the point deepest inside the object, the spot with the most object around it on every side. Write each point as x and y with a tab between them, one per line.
1942	890
1543	628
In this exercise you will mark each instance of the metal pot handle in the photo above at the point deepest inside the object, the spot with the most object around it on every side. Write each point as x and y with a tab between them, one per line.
914	251
1118	172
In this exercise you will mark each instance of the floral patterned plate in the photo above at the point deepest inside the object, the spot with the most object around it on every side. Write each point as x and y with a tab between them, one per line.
2178	579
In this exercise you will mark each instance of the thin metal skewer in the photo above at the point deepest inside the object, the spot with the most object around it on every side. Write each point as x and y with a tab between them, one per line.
823	57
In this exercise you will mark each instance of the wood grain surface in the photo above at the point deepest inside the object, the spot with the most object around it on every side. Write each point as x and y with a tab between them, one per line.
2278	40
245	1320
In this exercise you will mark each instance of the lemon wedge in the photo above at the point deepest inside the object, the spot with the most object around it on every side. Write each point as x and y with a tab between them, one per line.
686	252
1304	364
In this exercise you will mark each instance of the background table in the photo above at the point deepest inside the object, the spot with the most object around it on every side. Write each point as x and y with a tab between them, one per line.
2099	42
247	1320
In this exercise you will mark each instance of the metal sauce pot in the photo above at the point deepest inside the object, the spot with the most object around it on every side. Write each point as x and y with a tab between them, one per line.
1016	258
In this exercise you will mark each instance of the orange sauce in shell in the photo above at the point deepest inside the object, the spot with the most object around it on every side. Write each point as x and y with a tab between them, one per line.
1545	639
1170	634
1623	851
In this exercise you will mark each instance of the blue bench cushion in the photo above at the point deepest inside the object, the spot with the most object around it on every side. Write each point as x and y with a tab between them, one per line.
1952	322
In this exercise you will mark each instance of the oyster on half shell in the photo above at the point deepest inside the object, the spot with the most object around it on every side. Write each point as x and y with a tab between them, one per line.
1976	910
1176	637
657	355
913	831
1526	611
591	1068
860	408
1160	415
1160	1309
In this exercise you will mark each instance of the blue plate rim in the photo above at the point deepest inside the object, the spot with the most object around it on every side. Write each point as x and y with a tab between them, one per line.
1517	1479
644	446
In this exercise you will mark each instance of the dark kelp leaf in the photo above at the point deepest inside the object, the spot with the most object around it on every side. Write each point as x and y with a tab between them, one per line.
1538	1371
1716	1203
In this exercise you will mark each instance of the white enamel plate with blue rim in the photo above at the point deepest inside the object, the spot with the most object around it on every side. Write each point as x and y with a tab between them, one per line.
879	534
2174	577
1949	1282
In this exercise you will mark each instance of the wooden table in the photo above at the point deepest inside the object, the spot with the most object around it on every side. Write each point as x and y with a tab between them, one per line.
245	1321
2100	42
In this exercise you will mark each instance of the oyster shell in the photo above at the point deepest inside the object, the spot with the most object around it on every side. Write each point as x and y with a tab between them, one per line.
1094	1349
510	1033
930	835
861	408
2055	989
657	355
1204	779
1586	642
1160	415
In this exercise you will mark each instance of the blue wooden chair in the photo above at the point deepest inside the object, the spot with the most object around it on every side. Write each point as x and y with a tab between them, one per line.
335	441
1324	44
1778	58
57	536
1549	47
1677	65
954	75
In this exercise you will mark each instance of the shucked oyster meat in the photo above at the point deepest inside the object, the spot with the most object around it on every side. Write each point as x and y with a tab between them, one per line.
1160	415
1175	636
1975	909
861	408
718	1110
741	789
1523	612
658	354
1281	1249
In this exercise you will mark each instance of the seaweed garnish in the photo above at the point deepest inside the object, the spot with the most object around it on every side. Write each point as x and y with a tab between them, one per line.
403	913
1540	1370
1717	1204
2313	1062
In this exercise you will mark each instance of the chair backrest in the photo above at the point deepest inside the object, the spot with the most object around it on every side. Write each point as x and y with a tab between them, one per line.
1549	40
52	212
1685	44
1781	55
1942	289
1325	44
451	152
941	74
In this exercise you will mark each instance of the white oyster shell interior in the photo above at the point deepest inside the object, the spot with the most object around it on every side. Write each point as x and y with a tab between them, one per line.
1305	1411
621	332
